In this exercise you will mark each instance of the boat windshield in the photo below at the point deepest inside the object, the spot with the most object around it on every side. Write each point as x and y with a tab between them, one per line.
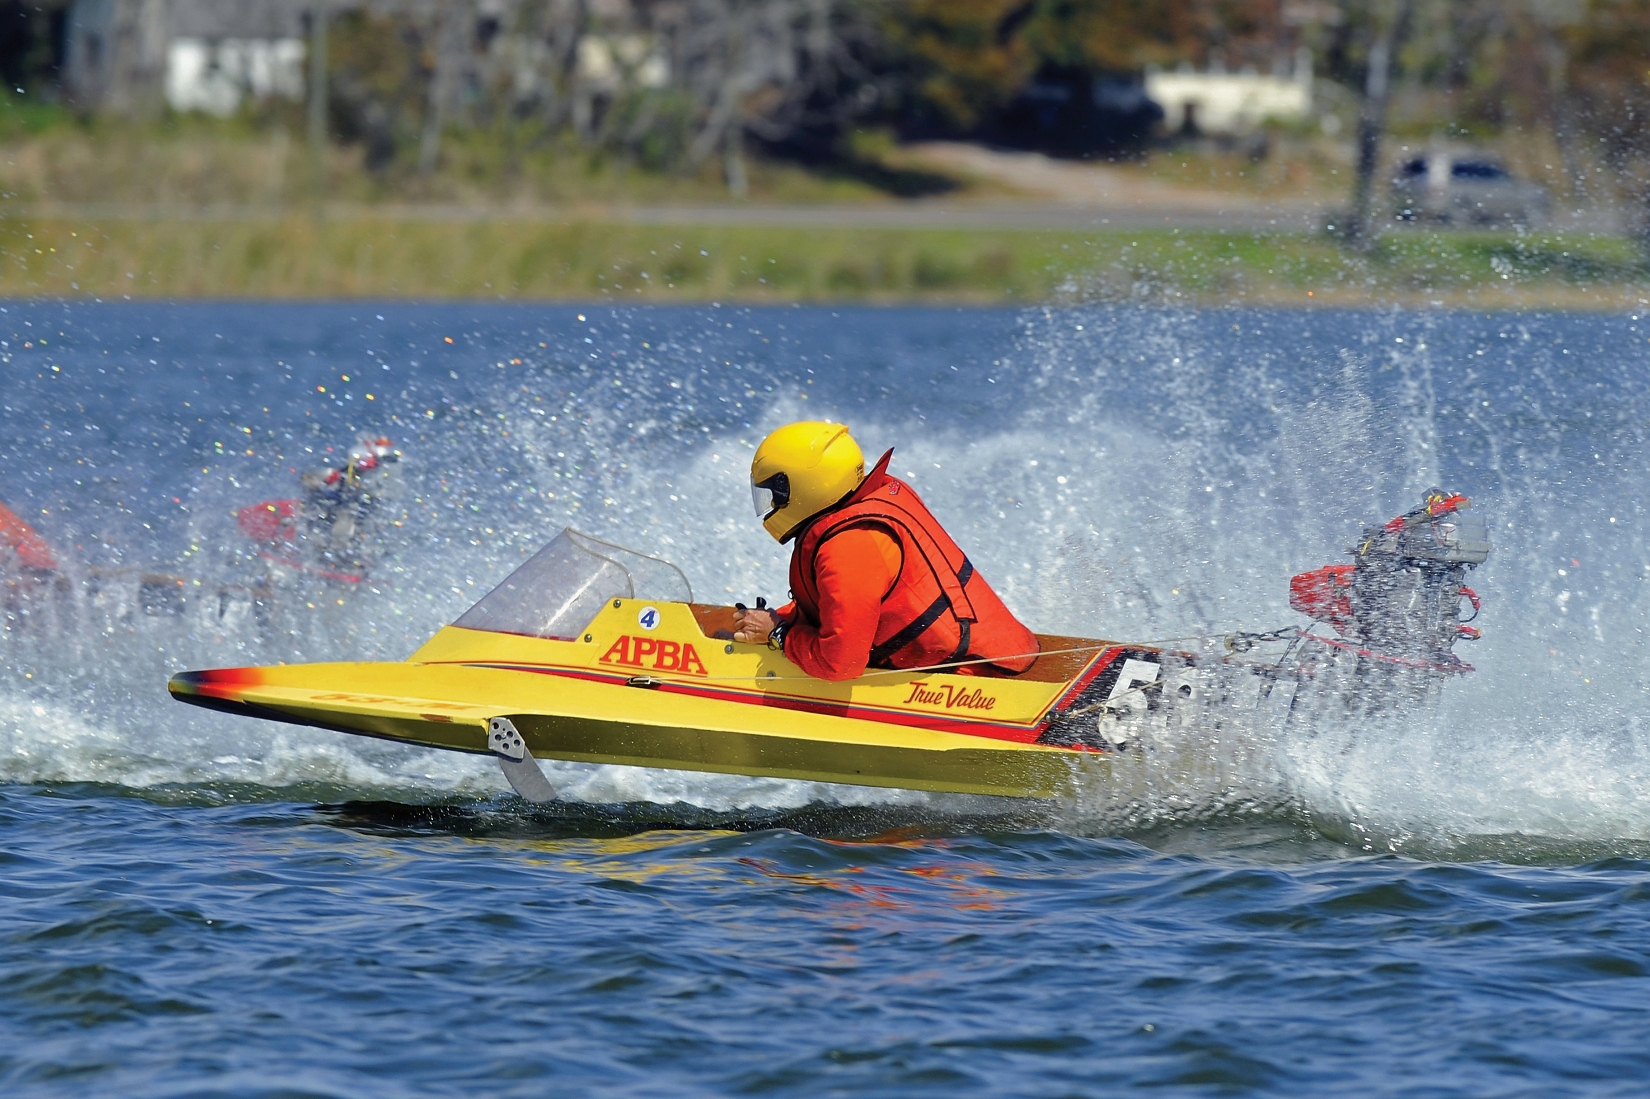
562	586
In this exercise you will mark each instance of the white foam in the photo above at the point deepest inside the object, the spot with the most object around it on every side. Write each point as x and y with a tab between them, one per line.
1088	522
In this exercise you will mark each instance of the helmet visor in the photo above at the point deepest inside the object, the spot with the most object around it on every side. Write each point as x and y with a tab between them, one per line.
762	497
771	495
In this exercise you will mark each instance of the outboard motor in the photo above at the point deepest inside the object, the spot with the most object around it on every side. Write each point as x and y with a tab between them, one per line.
331	531
1401	603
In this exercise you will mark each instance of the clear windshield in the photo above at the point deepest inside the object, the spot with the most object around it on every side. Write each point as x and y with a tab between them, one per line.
562	586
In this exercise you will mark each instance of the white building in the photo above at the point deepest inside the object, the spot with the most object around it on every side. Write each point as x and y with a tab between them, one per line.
607	63
1231	104
215	76
200	55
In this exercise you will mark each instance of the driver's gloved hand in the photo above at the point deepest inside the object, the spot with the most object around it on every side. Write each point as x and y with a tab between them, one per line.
754	627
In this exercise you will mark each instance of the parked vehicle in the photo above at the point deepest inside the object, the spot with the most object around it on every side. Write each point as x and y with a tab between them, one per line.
1464	189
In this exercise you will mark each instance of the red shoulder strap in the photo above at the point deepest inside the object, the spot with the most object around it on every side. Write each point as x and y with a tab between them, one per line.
903	509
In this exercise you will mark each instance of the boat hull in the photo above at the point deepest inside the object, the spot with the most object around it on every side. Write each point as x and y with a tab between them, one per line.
448	706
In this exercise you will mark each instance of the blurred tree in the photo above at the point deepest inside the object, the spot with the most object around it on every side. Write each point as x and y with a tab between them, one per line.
31	44
1387	41
787	71
1520	70
536	58
379	67
1489	65
966	60
1609	82
962	58
454	22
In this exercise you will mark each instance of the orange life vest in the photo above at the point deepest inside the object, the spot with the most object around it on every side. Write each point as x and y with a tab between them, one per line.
939	610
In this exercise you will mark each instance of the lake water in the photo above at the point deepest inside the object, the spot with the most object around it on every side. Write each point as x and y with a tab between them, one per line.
1454	904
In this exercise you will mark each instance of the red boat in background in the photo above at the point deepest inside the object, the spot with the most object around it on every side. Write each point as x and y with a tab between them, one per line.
32	586
332	533
21	546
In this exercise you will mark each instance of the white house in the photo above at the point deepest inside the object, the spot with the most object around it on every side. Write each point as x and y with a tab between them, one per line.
201	55
1231	104
607	62
215	76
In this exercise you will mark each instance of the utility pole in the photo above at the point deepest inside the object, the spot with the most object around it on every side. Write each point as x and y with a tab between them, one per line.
1372	123
318	97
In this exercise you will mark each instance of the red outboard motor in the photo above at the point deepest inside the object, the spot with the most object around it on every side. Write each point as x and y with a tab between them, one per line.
1401	601
1324	595
270	521
332	530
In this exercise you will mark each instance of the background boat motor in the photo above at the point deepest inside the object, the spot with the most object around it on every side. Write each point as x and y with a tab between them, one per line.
520	769
1402	596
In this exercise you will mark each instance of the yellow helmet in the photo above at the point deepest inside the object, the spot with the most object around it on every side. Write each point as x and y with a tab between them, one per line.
800	470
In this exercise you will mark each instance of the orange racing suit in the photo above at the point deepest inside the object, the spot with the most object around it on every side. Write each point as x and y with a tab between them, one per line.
877	582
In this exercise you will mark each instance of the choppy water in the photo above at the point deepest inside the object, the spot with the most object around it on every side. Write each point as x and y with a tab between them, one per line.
1454	906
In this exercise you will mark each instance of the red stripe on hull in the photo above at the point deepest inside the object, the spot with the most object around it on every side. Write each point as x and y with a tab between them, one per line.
1020	734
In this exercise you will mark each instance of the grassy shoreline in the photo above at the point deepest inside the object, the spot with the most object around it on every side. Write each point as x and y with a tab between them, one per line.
380	255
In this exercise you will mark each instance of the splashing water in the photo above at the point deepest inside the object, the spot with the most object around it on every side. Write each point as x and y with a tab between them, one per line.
1118	472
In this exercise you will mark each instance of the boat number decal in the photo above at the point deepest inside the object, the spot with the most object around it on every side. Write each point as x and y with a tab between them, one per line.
1124	678
950	696
666	656
1134	673
649	618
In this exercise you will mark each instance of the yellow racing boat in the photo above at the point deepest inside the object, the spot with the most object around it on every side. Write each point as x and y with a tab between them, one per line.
594	653
565	660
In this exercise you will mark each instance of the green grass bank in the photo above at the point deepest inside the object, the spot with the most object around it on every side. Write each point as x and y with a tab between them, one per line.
380	255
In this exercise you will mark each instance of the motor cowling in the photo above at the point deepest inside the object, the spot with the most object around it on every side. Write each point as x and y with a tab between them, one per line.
334	528
270	521
1403	595
1324	595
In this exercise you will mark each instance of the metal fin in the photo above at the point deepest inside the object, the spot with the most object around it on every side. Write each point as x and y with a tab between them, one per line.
520	769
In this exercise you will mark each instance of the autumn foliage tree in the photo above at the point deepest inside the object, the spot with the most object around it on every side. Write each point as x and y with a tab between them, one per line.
965	60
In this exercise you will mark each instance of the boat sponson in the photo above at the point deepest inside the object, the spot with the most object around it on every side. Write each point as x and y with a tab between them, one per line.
449	706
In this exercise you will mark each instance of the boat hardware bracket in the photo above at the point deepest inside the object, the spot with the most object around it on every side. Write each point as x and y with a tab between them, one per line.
520	769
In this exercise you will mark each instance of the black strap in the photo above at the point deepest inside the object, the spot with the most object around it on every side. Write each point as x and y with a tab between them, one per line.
964	625
881	653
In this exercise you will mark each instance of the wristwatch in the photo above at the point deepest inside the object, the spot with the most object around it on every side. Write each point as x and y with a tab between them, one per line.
776	638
